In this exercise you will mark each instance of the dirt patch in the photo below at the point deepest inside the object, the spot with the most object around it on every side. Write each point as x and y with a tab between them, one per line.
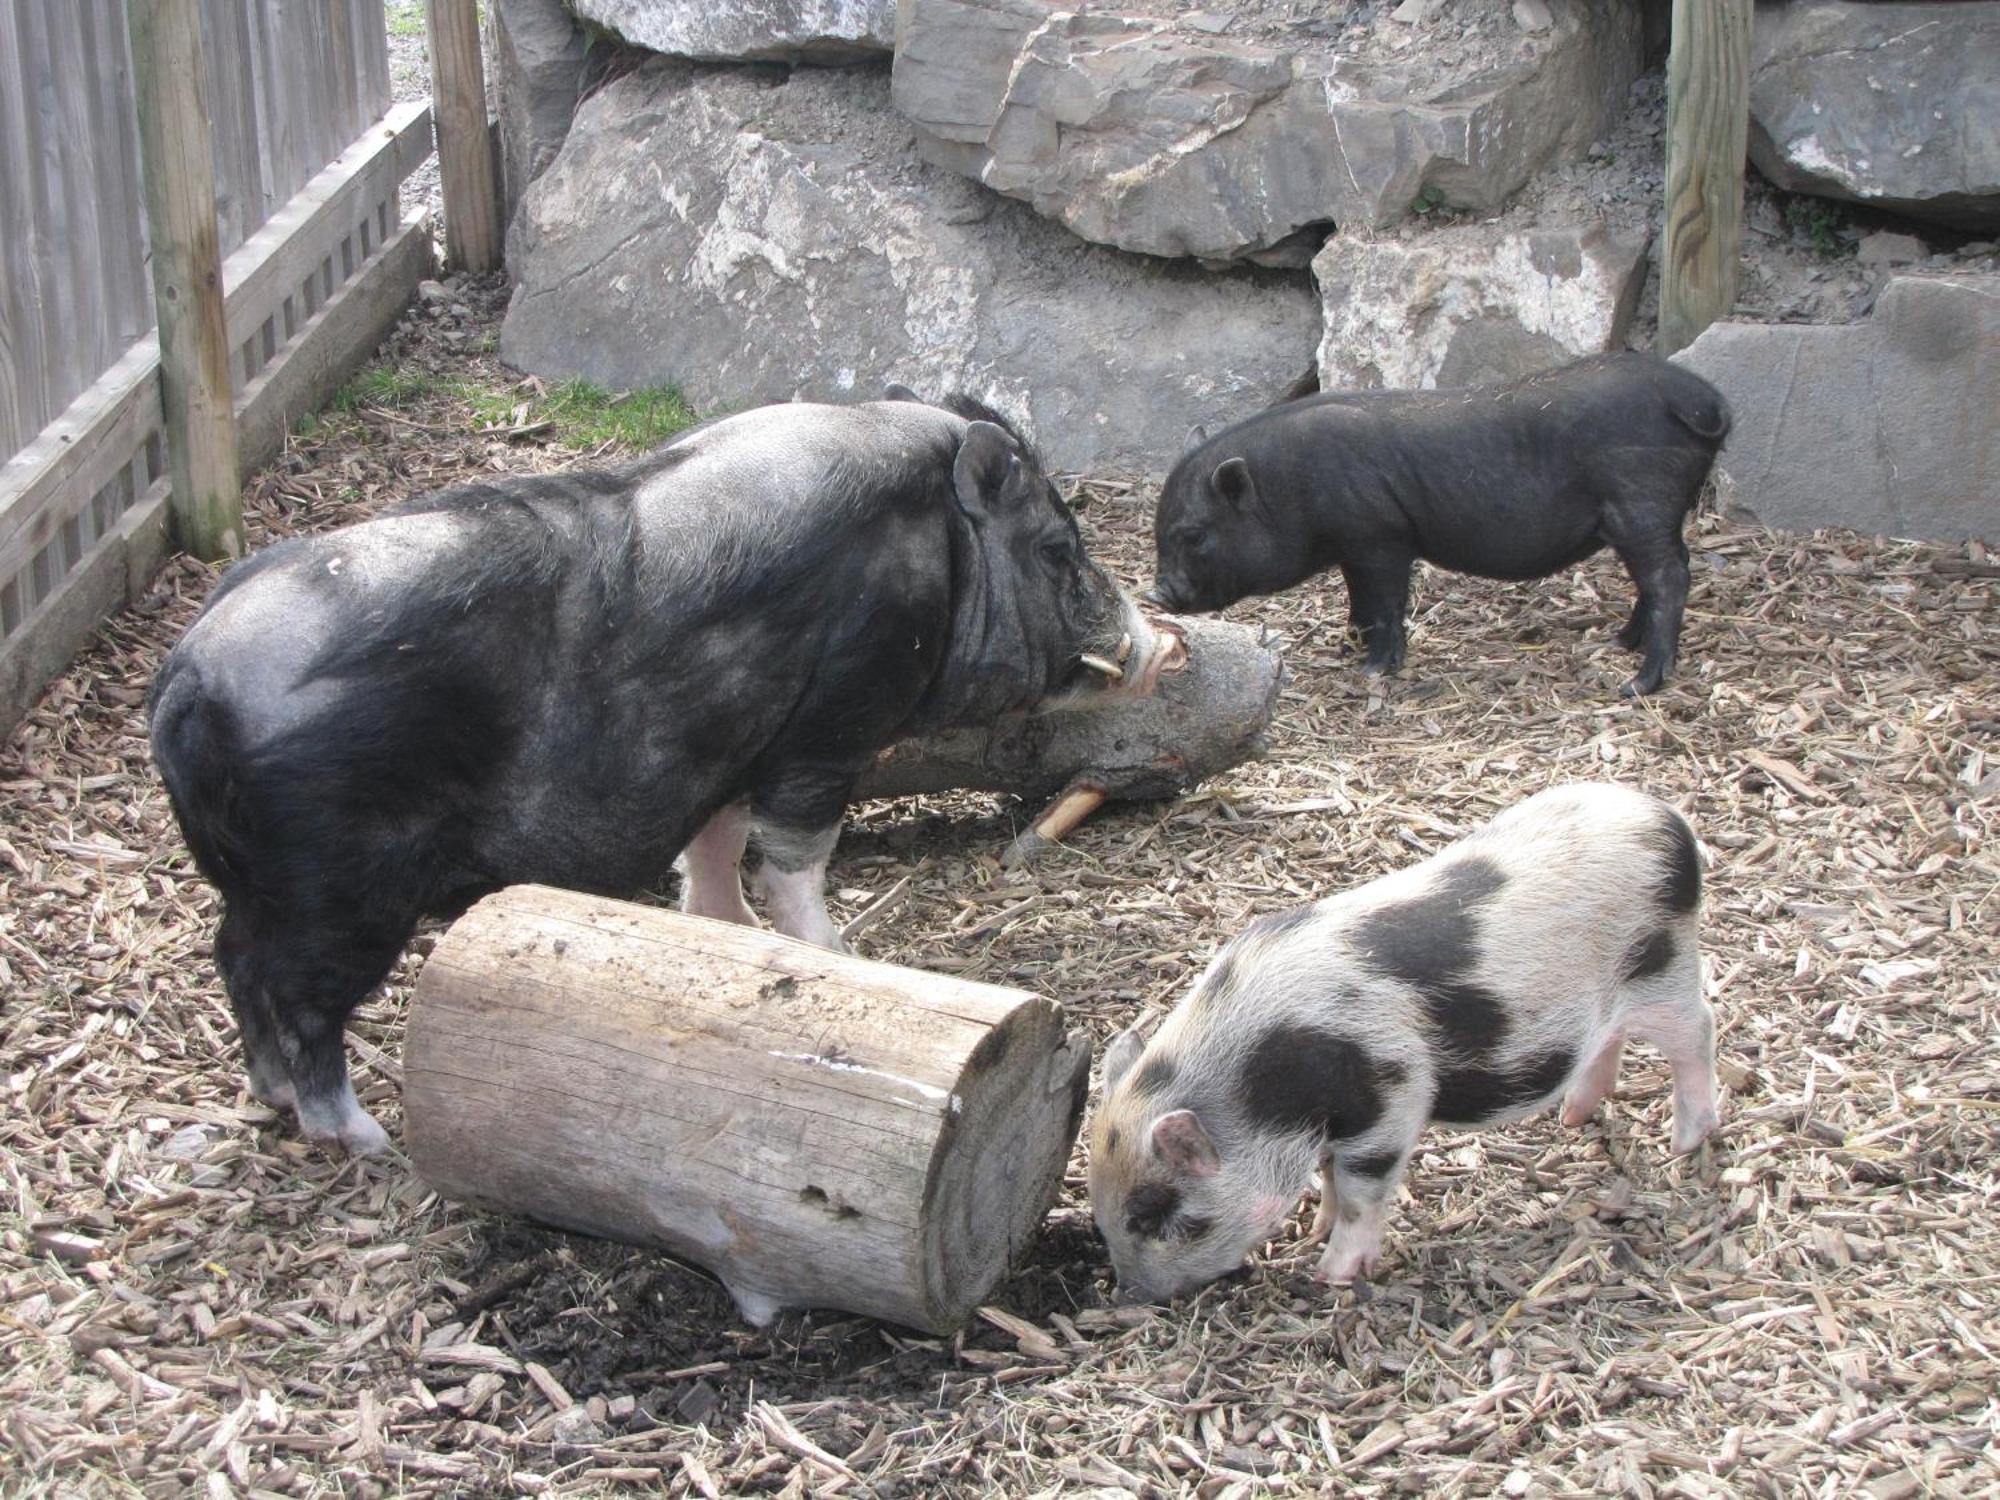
196	1302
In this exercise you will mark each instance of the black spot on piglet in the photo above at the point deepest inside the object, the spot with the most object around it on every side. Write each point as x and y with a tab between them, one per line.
1680	886
1473	1095
1151	1208
1469	1019
1300	1078
1430	939
1371	1163
1653	956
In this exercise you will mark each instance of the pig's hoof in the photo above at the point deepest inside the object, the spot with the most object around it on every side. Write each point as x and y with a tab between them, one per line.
1689	1134
1346	1272
361	1136
1578	1112
1629	638
1641	686
357	1135
274	1092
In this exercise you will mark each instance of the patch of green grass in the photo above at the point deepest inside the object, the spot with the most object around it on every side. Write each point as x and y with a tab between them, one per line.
577	413
1819	222
382	385
405	17
1430	200
585	415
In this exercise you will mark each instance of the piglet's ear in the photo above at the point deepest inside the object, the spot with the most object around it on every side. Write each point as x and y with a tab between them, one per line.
1197	435
895	392
1180	1141
1233	483
983	474
1119	1057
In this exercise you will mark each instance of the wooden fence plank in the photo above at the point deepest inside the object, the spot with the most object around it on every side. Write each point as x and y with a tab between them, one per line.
340	336
170	77
263	272
291	81
1708	123
77	454
20	351
465	146
79	451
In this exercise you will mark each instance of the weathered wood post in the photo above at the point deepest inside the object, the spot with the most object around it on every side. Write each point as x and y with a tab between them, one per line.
176	152
472	227
1708	124
816	1129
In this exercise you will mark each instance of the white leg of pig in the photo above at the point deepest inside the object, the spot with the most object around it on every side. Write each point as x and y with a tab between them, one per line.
1673	1016
792	882
1688	1040
1594	1081
712	879
1361	1207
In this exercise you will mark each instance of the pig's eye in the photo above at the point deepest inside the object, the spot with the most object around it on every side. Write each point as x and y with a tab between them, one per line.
1054	550
1191	536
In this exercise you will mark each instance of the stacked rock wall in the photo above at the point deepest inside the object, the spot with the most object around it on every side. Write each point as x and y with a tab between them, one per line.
1100	216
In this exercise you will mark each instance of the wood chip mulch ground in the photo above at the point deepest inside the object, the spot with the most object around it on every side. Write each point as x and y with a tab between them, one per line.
193	1302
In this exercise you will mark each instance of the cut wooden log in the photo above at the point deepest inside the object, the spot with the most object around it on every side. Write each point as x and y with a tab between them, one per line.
815	1129
1206	717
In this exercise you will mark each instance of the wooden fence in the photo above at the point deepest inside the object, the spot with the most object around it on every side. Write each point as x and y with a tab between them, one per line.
309	157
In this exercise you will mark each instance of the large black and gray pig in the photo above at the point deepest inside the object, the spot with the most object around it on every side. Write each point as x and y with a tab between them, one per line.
572	678
1475	988
1515	481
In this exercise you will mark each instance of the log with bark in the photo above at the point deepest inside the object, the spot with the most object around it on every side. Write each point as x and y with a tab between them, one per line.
816	1129
1208	715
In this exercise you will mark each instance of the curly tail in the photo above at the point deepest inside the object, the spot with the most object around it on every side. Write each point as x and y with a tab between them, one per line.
1698	406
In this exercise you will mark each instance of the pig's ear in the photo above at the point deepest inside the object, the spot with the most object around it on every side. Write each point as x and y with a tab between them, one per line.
1233	483
1197	435
1119	1057
1182	1143
983	474
895	392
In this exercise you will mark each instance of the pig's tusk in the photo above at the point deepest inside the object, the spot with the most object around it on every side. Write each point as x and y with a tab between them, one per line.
1098	664
1124	647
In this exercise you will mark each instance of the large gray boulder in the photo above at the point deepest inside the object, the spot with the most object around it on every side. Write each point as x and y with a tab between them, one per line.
1473	303
758	237
1155	133
750	30
1886	426
537	48
1892	105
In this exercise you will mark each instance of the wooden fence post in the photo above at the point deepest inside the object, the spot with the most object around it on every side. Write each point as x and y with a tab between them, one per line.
1708	122
465	147
176	151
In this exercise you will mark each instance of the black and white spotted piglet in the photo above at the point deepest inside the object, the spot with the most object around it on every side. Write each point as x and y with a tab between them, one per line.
1475	988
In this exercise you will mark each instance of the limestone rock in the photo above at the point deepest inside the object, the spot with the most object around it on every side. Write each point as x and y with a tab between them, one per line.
1144	132
750	30
1886	248
1885	426
1893	105
1473	303
756	237
537	51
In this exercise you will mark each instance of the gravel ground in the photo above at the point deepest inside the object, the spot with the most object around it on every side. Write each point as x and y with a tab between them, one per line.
193	1301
